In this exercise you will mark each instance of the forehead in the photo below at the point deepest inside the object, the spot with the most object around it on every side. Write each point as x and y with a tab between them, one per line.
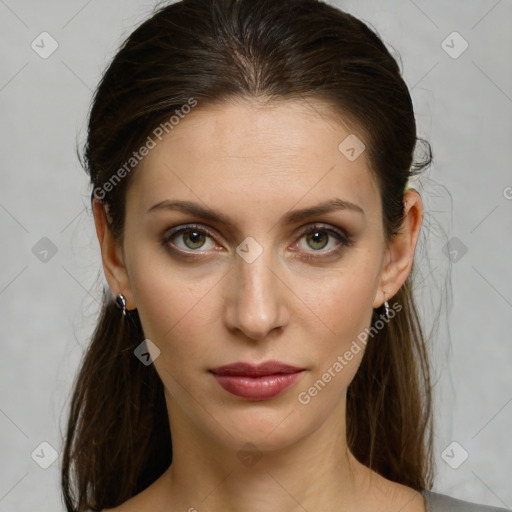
260	154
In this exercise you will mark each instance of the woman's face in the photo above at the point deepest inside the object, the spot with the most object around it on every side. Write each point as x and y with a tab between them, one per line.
254	285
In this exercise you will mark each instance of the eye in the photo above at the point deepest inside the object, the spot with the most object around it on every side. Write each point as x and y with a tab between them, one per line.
192	237
318	237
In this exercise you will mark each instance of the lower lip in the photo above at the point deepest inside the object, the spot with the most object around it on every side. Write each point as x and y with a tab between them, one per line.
257	388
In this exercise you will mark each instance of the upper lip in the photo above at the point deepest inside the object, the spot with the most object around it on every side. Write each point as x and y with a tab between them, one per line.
248	369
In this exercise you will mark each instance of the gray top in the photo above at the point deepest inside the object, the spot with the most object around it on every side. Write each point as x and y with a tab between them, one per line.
435	502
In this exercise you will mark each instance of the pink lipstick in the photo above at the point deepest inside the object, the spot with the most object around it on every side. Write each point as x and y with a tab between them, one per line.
257	382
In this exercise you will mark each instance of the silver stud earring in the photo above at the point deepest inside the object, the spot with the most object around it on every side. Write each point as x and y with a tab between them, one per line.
386	308
121	303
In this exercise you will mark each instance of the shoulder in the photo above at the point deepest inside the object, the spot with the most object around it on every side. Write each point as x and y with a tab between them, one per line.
436	502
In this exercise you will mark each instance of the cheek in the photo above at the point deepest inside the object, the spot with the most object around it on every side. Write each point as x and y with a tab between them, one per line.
346	309
178	307
342	308
340	302
175	306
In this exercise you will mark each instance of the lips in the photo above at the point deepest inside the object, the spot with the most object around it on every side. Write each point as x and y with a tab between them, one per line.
257	382
242	369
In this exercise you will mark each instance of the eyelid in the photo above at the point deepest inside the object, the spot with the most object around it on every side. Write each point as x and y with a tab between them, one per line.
345	239
173	232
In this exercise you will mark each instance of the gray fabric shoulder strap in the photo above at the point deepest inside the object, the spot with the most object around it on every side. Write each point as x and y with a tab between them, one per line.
436	502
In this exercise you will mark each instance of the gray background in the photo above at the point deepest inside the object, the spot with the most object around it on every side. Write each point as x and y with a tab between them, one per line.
49	302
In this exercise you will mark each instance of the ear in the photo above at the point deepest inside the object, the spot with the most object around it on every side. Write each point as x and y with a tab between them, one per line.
400	252
112	255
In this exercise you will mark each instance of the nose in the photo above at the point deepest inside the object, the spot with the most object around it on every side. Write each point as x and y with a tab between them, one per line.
255	303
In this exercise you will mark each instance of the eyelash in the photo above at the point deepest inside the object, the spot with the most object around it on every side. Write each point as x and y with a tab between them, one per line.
342	236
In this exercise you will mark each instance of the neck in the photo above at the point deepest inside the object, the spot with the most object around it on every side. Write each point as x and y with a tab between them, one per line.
264	474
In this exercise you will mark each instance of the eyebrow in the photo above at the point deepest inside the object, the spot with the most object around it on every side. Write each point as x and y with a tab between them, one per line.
289	218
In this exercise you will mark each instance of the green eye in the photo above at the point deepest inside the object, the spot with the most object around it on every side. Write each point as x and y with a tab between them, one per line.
193	237
314	238
196	239
317	238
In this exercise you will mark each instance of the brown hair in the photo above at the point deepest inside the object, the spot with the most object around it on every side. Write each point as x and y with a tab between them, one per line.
118	439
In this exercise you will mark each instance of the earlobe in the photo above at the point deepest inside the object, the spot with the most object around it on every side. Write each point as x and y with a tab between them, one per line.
400	252
112	255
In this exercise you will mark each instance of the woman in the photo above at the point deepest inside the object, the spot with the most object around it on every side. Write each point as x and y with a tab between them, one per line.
259	348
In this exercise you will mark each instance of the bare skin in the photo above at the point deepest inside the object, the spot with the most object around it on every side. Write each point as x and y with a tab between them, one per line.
254	164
